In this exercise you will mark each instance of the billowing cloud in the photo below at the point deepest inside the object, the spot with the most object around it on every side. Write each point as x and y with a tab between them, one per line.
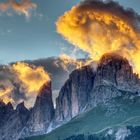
67	61
5	92
99	27
21	82
6	85
23	7
32	77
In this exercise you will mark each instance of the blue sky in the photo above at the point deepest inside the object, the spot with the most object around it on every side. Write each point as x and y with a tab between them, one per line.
36	37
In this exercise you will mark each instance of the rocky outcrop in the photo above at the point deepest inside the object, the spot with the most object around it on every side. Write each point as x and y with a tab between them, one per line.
13	121
116	70
19	123
114	77
41	114
75	94
86	87
5	112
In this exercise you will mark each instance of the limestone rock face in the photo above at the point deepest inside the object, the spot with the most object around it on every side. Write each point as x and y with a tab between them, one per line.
114	77
75	94
5	112
12	121
116	70
86	87
41	114
21	122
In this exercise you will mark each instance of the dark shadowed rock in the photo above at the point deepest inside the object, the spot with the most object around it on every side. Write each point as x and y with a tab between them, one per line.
23	113
41	114
22	122
13	121
5	112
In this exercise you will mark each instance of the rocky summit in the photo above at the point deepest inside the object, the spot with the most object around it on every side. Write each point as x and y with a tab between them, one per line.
22	122
12	121
41	114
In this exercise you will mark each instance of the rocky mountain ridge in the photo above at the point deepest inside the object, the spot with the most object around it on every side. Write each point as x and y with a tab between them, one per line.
85	89
88	87
22	122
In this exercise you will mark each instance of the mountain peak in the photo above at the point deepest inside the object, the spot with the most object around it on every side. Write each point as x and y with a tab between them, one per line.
113	58
2	103
115	69
21	107
42	113
45	90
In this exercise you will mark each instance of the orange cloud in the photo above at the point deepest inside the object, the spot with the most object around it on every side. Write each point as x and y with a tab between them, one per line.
22	7
6	88
99	27
32	78
21	78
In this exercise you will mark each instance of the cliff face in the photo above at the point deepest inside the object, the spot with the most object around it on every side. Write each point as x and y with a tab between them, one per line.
114	77
86	87
75	94
115	70
41	114
12	121
22	122
5	112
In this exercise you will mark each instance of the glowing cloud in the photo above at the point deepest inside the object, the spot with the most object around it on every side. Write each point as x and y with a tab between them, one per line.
22	7
33	78
5	95
67	60
21	82
99	27
6	89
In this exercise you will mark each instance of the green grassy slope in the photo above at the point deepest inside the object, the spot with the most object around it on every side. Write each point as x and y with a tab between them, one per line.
123	112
